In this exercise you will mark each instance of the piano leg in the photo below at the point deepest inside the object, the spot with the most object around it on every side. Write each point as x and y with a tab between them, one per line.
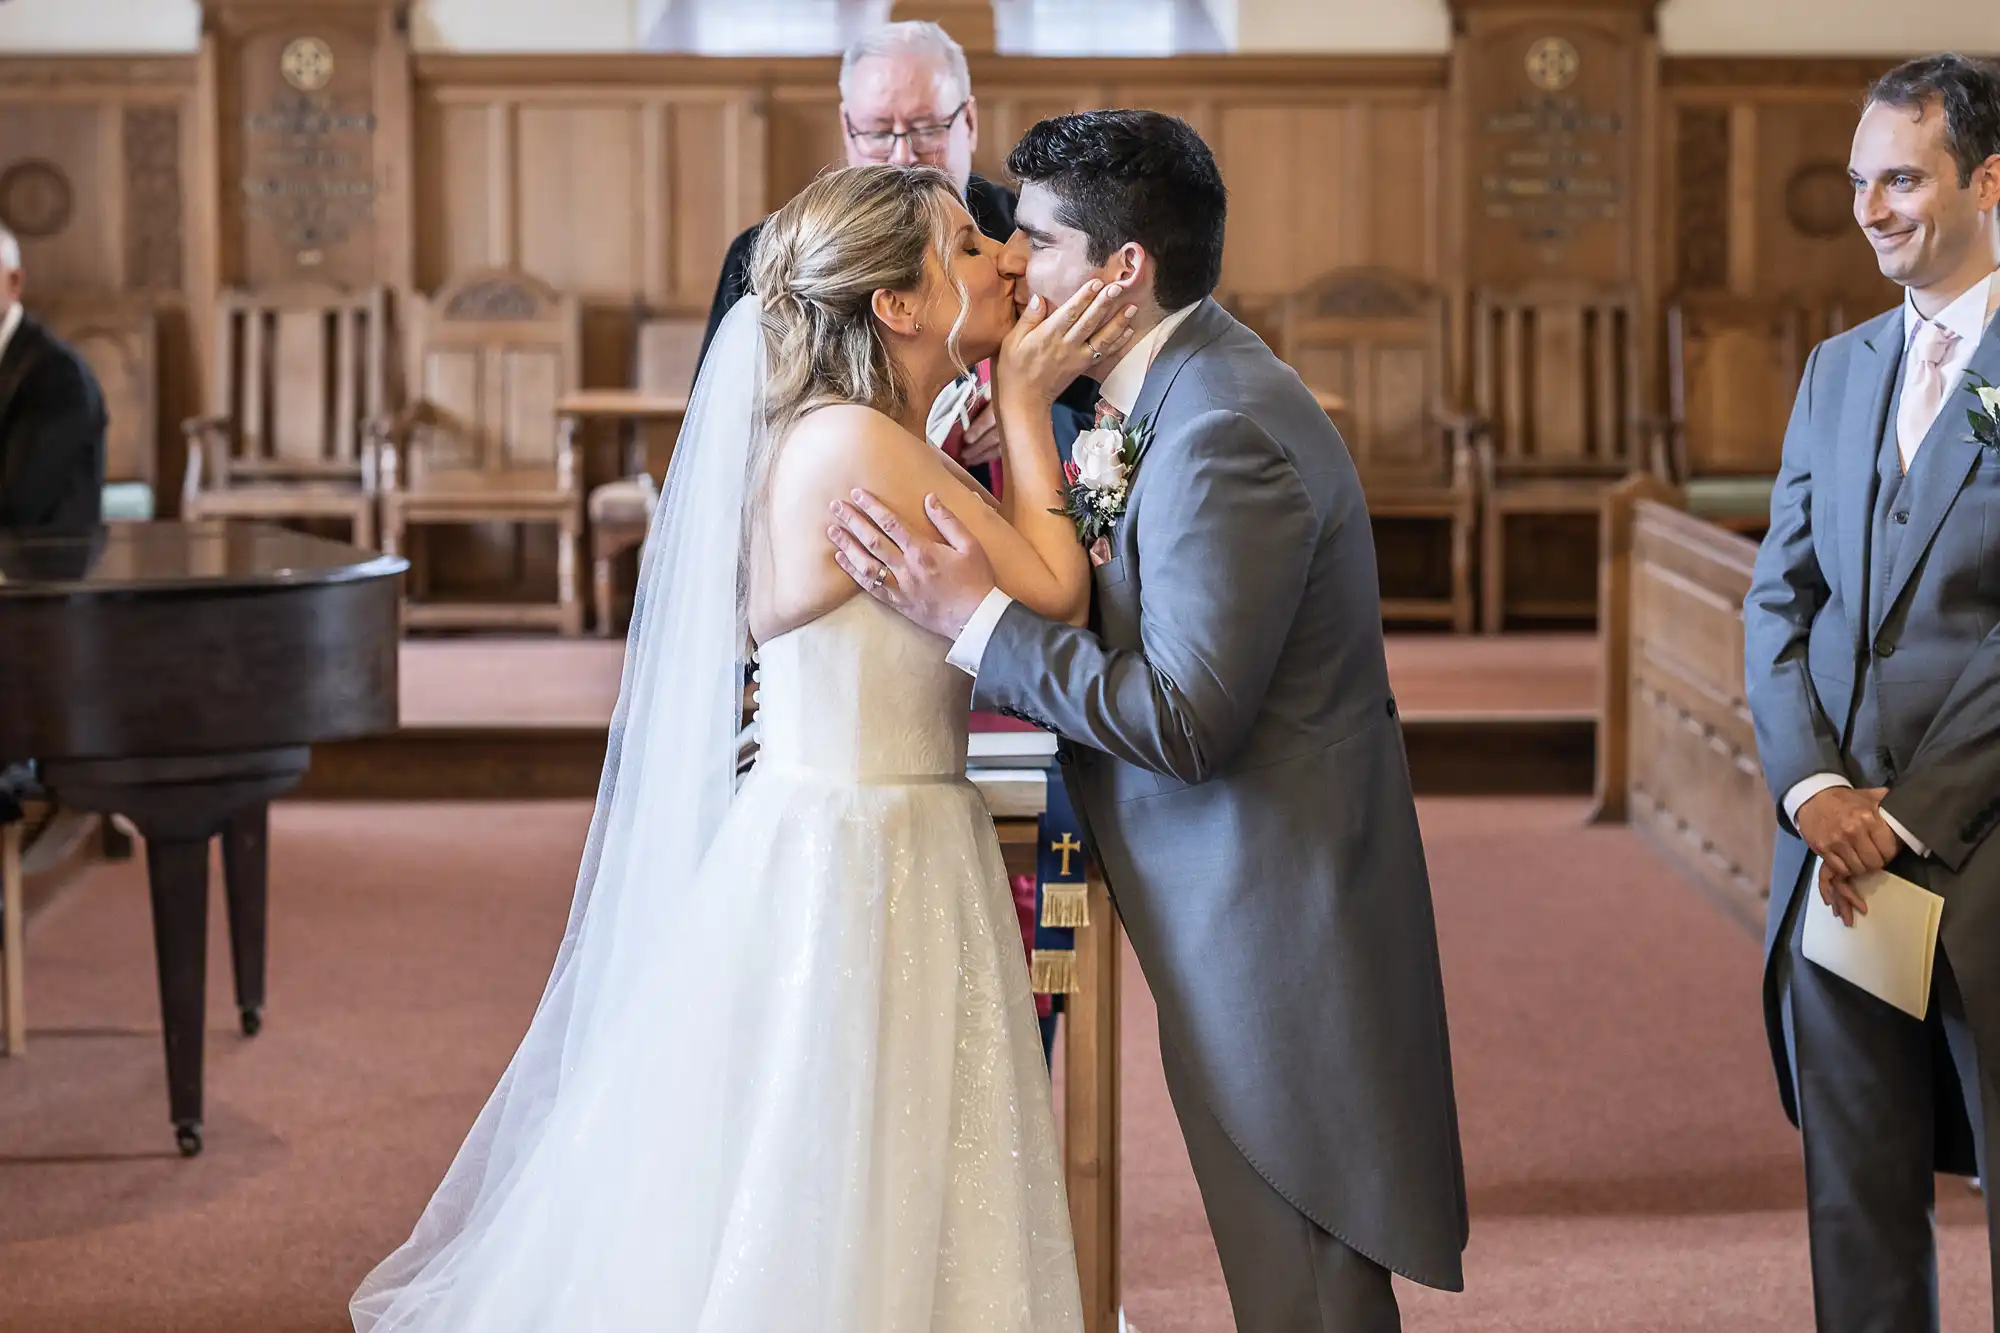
178	869
246	873
179	805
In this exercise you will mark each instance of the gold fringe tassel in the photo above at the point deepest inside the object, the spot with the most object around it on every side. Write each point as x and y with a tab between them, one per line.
1066	906
1053	972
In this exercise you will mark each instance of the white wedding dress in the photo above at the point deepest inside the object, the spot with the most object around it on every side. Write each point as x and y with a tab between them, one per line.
811	1096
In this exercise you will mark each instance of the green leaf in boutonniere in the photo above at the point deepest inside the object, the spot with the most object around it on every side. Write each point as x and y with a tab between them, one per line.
1984	419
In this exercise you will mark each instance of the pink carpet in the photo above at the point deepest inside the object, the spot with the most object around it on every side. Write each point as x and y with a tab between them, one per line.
1629	1166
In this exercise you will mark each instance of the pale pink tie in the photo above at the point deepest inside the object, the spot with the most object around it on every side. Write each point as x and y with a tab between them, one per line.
1923	387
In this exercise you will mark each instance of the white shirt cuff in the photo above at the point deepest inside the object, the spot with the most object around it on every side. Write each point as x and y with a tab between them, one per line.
970	645
1909	840
1805	790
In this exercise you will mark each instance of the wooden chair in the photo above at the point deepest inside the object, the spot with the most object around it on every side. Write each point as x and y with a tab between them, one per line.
1561	416
301	373
481	440
118	339
666	355
1733	370
1376	339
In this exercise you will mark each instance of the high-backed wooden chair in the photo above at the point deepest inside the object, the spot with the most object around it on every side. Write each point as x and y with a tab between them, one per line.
1376	339
1733	369
482	441
1562	415
117	338
301	373
666	355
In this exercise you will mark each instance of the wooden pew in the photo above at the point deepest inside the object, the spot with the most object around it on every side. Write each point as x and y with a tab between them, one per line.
1677	756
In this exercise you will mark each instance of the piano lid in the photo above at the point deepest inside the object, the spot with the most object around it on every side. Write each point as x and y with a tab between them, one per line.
210	555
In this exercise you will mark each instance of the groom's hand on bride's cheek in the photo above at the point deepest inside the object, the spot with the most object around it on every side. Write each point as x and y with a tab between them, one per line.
937	584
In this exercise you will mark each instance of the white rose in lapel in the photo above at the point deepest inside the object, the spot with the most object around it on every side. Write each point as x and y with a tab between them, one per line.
1989	398
1099	473
1100	459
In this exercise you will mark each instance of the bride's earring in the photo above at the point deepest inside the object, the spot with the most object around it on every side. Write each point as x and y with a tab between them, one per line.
920	326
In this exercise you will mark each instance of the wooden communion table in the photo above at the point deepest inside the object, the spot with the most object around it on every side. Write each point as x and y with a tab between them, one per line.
1090	1083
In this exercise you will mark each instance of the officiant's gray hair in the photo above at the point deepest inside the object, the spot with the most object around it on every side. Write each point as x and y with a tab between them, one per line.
912	37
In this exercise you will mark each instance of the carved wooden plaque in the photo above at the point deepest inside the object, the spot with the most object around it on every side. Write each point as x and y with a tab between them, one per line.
1552	121
308	120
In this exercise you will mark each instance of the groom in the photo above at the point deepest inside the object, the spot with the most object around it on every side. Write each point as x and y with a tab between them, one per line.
1229	729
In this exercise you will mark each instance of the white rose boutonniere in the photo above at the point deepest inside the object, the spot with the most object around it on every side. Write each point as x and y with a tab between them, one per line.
1102	463
1985	421
1099	460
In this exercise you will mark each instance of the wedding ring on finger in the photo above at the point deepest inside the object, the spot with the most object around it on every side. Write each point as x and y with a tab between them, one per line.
881	577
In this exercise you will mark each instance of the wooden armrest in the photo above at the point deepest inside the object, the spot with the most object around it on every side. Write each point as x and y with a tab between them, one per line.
1467	424
392	437
191	474
398	426
196	428
566	469
1665	441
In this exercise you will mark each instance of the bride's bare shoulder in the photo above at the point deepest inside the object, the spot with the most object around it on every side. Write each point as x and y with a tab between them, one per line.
839	447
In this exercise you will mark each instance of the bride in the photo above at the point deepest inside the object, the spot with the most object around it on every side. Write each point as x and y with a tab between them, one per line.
785	1077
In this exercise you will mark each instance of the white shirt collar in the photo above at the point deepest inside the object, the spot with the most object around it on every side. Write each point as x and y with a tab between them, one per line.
8	324
1121	387
1967	316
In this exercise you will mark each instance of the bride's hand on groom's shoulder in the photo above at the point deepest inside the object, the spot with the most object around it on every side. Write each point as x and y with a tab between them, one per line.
1047	350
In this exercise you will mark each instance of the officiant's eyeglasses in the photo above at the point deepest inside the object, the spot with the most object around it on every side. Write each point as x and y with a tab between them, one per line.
879	144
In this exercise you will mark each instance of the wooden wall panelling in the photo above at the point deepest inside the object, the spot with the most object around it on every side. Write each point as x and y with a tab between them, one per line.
510	145
1754	179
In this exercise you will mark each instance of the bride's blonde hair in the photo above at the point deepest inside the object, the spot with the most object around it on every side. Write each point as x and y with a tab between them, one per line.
818	264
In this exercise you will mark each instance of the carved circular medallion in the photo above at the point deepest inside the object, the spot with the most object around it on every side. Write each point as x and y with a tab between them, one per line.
307	64
1819	200
35	199
1552	64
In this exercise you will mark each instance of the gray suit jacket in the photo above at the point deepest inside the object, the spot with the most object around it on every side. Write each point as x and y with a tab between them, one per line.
1930	647
1242	775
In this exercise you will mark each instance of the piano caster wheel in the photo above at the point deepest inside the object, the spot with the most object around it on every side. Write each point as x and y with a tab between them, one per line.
253	1021
189	1139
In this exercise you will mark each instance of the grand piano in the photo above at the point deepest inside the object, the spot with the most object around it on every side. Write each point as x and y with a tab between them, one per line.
178	674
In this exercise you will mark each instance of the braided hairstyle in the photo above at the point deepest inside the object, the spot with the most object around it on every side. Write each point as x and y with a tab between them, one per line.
818	264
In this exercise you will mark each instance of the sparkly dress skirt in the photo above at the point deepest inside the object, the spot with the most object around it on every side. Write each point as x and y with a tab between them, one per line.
826	1110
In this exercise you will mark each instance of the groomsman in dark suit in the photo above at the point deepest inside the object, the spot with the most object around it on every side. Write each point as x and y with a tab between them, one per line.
51	420
1872	665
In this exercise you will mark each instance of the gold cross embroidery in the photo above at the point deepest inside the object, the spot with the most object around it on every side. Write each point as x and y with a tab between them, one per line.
1065	845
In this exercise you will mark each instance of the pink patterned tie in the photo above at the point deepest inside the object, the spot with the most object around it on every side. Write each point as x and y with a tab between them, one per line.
1923	387
1109	417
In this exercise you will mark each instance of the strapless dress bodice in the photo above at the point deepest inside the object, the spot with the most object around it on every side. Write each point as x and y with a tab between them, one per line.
862	694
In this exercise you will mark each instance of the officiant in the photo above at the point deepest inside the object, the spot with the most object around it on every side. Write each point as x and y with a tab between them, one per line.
906	97
1872	667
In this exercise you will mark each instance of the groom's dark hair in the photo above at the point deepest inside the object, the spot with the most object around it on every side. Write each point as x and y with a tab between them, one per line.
1122	176
1968	91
